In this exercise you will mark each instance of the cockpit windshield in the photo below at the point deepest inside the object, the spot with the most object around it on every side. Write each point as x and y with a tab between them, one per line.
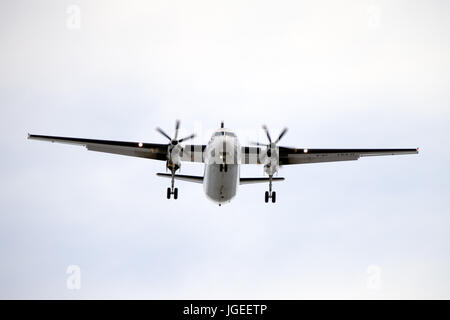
224	133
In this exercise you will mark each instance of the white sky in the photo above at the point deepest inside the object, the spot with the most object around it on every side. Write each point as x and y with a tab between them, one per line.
348	74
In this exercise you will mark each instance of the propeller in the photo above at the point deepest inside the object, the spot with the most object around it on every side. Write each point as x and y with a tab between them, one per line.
173	162
175	141
271	144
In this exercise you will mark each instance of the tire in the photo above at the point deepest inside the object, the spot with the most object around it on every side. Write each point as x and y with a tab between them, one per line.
175	193
274	197
266	197
168	193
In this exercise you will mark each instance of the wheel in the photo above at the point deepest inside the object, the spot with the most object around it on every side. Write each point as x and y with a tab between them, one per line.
274	197
225	168
266	197
168	193
175	193
220	167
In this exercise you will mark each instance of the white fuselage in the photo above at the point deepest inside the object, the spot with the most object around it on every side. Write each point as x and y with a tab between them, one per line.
222	159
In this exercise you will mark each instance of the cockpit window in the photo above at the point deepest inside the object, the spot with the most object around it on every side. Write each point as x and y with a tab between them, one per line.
224	133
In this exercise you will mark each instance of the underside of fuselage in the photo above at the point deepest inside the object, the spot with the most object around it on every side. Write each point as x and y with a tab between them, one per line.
222	156
220	182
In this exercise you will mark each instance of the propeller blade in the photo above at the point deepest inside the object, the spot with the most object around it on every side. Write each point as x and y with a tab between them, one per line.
267	133
177	126
281	134
163	133
187	138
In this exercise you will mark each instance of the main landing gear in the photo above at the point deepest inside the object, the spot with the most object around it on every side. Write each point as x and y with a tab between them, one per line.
172	190
270	194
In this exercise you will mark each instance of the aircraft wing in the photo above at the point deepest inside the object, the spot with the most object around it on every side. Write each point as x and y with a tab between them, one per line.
135	149
303	155
156	151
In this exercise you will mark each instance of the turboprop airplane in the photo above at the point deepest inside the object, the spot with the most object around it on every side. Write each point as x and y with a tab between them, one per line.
222	157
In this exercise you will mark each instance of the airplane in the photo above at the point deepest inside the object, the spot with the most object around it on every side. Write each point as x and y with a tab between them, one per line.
222	157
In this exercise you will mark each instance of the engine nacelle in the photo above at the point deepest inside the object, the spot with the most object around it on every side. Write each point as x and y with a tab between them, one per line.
271	160
174	157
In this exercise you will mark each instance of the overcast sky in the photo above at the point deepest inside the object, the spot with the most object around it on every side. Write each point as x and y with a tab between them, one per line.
339	74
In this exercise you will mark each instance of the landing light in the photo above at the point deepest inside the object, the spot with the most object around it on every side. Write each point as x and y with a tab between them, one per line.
140	144
305	150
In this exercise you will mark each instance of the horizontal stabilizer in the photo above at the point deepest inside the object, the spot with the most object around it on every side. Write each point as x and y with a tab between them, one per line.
258	180
196	179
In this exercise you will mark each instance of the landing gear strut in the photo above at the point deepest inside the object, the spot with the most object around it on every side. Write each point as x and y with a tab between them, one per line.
270	194
172	189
